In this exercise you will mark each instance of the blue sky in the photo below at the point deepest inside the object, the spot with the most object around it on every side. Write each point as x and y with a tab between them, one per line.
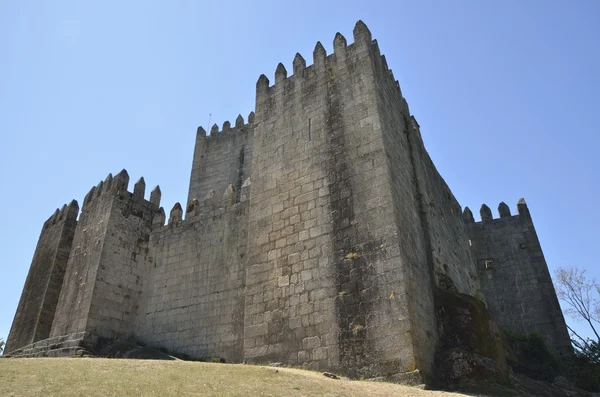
506	93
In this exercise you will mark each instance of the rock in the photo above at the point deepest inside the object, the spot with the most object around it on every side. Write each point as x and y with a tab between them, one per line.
412	378
126	349
460	366
471	346
562	382
330	375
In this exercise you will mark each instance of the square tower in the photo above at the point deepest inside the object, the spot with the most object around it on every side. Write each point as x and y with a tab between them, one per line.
344	215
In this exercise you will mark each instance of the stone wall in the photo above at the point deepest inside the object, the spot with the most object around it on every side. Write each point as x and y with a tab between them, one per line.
76	294
290	290
414	245
37	305
222	158
454	265
325	281
107	266
432	238
124	263
515	277
194	297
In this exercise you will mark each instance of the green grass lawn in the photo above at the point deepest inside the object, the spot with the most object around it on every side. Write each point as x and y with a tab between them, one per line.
114	377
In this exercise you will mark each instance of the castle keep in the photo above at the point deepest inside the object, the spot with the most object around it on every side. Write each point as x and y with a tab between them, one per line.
318	232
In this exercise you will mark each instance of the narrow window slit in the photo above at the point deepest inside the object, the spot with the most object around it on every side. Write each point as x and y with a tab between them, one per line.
309	130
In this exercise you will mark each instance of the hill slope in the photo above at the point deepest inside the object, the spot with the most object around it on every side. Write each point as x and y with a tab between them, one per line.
114	377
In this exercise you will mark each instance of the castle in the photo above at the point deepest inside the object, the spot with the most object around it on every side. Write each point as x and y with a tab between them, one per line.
317	233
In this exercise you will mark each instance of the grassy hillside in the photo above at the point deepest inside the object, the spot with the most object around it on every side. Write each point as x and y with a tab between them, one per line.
113	377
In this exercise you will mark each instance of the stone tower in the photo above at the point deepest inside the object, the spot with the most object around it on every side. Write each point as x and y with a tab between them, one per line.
35	313
514	275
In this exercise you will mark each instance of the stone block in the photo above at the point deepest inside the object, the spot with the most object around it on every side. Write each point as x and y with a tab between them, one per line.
311	342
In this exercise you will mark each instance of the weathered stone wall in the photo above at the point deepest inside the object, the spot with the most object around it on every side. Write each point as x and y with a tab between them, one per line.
414	245
290	287
37	305
450	263
222	158
107	266
123	267
76	294
515	277
194	297
454	265
431	235
325	281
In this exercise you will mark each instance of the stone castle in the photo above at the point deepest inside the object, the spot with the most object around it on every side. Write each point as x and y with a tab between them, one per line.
317	233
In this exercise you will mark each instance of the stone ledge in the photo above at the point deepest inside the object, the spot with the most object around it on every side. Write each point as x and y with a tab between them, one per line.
72	345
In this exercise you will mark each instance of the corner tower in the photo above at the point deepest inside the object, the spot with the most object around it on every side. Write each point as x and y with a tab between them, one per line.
514	275
108	263
37	305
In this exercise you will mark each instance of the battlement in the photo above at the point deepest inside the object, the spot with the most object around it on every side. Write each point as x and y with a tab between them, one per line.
212	205
321	61
118	186
514	274
239	127
221	158
67	212
503	211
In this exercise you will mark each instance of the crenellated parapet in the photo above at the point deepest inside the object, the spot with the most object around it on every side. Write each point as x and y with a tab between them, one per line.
503	211
240	127
321	61
343	53
210	206
514	274
67	212
117	186
222	157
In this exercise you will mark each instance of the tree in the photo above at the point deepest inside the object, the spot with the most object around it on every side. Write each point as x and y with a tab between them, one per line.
582	298
2	343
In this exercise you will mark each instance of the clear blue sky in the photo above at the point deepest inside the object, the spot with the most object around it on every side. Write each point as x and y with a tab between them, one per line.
506	93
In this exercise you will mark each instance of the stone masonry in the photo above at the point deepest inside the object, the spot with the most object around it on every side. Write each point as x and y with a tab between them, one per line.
318	233
514	274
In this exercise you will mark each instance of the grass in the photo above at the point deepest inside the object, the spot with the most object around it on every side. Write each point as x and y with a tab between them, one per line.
114	377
